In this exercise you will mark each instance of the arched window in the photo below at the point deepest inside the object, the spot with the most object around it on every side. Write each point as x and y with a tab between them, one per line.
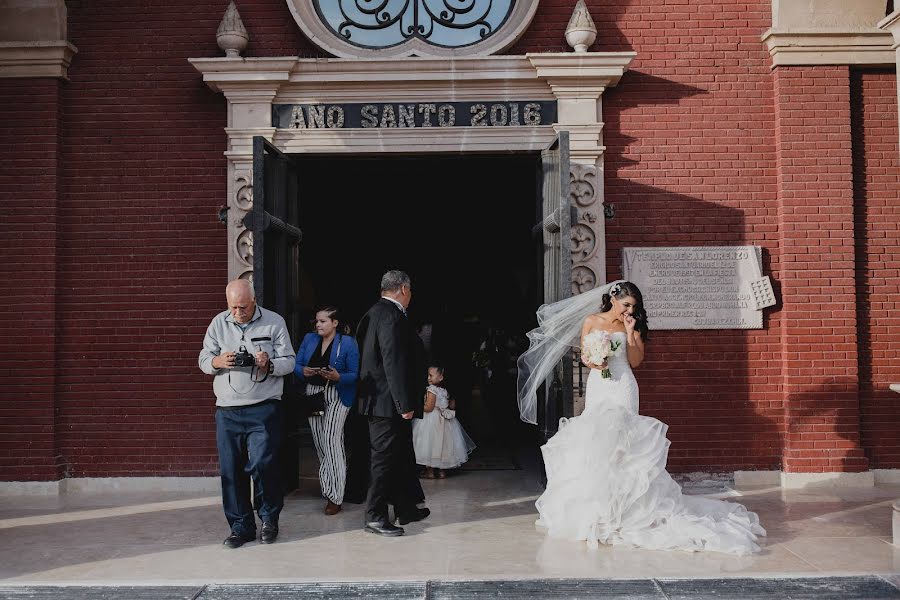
385	28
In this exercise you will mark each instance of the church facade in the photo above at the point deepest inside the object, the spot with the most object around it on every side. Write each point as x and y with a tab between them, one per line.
152	152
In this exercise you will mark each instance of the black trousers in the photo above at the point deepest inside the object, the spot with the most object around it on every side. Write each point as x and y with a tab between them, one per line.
392	476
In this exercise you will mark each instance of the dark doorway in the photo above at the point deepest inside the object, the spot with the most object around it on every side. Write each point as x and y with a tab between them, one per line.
461	226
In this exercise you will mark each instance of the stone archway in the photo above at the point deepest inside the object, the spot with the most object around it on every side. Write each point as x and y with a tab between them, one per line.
574	81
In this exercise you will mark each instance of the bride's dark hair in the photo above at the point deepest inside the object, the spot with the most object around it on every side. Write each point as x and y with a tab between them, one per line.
623	290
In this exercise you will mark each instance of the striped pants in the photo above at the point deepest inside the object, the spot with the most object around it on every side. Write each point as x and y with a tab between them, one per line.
328	436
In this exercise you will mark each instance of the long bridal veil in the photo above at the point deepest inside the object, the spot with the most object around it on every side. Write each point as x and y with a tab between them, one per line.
558	330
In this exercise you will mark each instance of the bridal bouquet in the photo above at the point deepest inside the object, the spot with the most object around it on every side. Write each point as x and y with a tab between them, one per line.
597	347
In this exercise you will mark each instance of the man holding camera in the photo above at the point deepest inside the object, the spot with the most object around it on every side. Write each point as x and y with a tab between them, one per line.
248	350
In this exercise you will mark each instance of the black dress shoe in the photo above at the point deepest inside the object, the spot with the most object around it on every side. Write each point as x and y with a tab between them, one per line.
416	514
269	533
384	528
236	540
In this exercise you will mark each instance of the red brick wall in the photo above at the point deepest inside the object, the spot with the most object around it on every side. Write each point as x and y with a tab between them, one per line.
142	256
815	218
29	169
690	160
702	149
876	181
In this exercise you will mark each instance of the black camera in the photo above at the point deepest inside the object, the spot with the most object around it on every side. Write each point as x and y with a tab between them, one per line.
242	358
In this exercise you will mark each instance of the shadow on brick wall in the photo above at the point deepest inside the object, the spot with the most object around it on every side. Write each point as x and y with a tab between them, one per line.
718	390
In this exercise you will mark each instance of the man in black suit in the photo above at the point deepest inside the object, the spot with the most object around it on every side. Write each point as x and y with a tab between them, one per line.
391	393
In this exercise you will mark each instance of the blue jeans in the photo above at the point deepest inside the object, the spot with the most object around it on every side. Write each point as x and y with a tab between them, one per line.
248	439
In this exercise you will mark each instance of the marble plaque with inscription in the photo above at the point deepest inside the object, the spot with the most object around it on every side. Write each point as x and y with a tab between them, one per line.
701	287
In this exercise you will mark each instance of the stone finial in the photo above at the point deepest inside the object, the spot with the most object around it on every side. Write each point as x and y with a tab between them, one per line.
232	36
581	31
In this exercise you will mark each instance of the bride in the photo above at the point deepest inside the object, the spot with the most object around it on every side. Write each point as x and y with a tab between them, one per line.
606	469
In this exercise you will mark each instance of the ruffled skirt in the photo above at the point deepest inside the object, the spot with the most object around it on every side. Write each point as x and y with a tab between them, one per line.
607	484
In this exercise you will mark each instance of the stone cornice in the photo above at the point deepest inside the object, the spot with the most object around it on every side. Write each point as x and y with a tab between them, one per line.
891	23
595	70
232	74
36	59
864	46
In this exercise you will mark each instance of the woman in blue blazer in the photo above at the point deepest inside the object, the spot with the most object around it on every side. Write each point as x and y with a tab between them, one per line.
329	360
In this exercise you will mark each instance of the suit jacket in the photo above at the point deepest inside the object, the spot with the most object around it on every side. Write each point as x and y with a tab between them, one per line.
392	371
344	358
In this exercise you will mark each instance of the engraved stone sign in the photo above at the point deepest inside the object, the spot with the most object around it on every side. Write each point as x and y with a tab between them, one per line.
703	287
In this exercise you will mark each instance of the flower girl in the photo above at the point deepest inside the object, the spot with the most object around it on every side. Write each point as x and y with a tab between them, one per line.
438	438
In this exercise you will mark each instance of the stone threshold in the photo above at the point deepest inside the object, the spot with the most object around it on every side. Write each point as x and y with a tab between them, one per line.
869	587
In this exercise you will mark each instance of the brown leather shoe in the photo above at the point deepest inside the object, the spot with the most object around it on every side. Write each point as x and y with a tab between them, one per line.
332	509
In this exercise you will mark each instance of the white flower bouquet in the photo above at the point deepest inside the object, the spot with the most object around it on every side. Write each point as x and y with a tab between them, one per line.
597	347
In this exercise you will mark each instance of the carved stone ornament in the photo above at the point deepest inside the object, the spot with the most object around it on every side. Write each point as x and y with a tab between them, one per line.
243	195
583	279
587	232
244	247
240	238
584	242
583	186
232	36
581	31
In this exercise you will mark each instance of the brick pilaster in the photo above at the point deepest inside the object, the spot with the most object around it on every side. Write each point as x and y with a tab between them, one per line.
29	178
819	322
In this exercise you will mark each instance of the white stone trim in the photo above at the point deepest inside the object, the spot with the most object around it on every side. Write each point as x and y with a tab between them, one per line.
99	485
746	479
891	24
29	488
579	73
823	47
308	20
803	480
887	476
450	139
253	85
36	59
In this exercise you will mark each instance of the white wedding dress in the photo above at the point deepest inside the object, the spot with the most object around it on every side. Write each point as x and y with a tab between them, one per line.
607	481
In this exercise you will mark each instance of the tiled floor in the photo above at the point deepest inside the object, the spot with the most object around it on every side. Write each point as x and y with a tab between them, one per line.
481	527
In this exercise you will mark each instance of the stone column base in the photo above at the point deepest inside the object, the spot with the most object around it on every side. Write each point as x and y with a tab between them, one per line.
98	485
801	480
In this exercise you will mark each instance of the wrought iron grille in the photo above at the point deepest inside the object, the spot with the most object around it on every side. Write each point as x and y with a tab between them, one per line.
388	23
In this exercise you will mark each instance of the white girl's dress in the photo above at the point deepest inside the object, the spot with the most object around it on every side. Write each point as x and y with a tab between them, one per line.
438	438
607	481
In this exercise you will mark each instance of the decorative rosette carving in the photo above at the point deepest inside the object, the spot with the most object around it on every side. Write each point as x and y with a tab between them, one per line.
582	186
584	192
583	279
584	242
